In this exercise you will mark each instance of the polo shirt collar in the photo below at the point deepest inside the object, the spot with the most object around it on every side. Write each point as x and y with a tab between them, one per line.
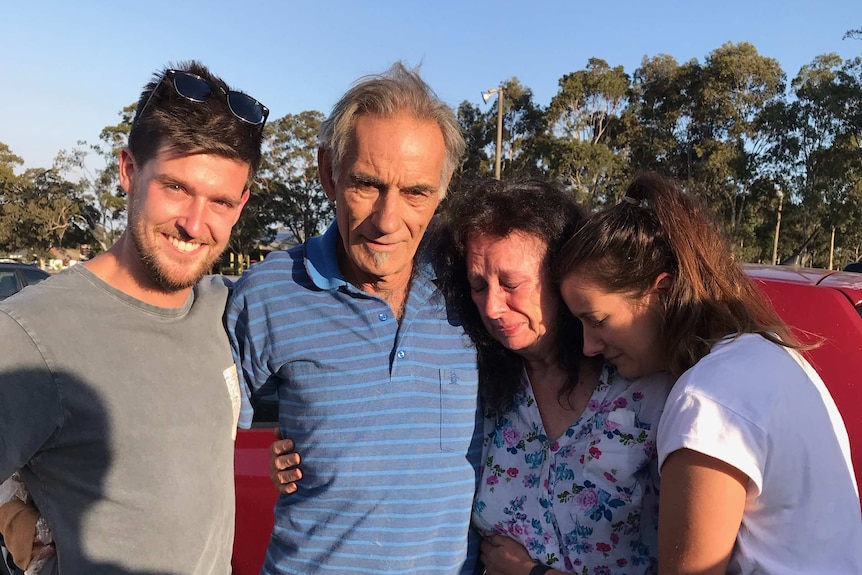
321	262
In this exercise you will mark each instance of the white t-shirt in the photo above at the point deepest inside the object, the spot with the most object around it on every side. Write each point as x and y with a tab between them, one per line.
764	410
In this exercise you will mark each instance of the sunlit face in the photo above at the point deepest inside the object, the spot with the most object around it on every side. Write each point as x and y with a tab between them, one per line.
624	329
511	288
388	187
181	211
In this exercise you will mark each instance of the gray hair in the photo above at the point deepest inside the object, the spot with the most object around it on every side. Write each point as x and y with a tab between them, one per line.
398	89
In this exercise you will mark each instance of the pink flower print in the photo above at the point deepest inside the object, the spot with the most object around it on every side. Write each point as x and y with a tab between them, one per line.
581	459
602	570
587	498
593	405
603	547
615	538
555	446
510	436
610	477
620	402
610	425
512	472
638	395
595	452
492	480
516	530
622	562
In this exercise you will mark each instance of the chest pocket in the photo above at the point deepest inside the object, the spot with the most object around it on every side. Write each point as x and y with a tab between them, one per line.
617	456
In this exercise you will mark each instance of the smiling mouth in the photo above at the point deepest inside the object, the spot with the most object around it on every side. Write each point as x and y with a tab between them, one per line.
184	246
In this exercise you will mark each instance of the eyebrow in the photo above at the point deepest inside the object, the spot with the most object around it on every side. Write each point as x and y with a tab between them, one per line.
365	179
165	179
369	180
586	314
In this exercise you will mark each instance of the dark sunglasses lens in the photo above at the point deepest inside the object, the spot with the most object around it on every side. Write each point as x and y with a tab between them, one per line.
192	87
245	107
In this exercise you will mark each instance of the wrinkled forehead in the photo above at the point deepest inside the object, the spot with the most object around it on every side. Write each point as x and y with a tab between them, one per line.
514	252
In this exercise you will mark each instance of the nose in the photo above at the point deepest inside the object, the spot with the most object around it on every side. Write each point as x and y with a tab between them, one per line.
387	212
593	345
495	303
192	220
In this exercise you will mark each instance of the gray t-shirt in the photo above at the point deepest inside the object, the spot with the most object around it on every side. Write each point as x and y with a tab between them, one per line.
120	415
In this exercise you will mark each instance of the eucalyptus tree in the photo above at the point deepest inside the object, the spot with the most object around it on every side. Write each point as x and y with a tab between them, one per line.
95	168
582	122
726	146
286	193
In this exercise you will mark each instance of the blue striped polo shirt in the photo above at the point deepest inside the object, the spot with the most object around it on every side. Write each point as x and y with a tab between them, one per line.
384	415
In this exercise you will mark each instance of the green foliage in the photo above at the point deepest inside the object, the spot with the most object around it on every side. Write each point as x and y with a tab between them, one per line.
40	211
289	174
8	163
523	122
730	129
582	123
286	193
100	185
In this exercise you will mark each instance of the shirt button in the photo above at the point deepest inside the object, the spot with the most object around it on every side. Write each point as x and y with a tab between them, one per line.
401	354
382	317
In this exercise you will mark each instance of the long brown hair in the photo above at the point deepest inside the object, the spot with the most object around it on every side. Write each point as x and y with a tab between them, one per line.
659	229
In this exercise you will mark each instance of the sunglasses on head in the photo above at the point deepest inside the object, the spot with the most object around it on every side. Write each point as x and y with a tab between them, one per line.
193	87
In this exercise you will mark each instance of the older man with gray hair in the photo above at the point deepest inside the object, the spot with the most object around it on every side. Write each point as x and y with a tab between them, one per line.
376	381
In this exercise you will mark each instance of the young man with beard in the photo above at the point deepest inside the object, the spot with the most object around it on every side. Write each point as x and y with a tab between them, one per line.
116	379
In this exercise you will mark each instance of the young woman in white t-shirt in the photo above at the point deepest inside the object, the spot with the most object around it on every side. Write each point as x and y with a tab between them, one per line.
756	475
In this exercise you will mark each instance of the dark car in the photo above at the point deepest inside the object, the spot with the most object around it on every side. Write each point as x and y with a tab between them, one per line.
14	277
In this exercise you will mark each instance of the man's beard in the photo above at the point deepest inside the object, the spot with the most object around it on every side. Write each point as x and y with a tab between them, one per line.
157	273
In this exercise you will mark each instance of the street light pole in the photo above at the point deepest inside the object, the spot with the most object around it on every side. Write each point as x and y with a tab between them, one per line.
485	97
780	195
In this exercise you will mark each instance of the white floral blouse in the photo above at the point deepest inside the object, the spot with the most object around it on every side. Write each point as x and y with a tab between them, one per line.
586	502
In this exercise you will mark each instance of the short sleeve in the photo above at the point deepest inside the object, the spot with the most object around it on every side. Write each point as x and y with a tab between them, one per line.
30	411
694	421
252	370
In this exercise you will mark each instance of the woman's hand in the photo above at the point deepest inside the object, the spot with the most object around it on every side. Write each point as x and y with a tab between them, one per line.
502	555
284	464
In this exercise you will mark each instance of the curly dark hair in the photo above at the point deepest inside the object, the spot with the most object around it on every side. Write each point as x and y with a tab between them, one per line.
499	208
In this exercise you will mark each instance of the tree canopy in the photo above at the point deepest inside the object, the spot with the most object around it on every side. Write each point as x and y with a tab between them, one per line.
733	129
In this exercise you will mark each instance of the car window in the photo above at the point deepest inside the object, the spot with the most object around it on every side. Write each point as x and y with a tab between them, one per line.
34	275
8	283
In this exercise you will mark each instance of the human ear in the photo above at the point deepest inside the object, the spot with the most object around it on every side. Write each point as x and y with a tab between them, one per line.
246	194
324	172
663	283
127	167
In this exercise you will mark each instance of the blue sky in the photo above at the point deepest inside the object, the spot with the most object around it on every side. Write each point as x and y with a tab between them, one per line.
68	67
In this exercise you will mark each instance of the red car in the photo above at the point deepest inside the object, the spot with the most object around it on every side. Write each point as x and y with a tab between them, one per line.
822	305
